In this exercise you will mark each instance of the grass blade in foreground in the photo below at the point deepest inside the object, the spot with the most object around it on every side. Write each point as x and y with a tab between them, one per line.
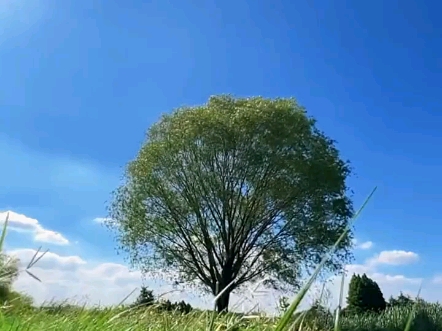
338	309
285	319
3	235
413	310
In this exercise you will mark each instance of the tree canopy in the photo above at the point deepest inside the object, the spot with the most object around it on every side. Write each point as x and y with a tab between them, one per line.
233	191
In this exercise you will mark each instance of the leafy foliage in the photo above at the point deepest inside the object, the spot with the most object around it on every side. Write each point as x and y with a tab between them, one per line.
401	301
8	269
8	273
364	295
232	191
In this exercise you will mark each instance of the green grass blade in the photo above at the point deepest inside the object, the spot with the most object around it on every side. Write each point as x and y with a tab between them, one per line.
4	230
413	309
338	309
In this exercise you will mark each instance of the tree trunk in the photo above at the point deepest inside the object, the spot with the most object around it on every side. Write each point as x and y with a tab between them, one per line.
222	305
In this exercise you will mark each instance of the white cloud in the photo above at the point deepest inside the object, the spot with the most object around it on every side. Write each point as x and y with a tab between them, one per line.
364	245
71	278
395	279
23	223
50	261
395	257
48	236
100	220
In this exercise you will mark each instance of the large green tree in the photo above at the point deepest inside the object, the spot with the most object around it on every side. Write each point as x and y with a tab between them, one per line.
234	191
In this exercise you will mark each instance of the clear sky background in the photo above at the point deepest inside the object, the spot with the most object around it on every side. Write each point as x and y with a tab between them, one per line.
81	81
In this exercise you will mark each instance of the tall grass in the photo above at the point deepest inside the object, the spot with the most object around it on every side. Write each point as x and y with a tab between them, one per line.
426	318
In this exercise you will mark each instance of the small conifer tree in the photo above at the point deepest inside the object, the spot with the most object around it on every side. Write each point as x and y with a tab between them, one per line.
146	297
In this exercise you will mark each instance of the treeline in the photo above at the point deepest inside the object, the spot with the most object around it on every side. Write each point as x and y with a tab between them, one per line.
146	298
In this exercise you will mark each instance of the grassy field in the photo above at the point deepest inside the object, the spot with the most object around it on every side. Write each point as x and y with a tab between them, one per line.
425	318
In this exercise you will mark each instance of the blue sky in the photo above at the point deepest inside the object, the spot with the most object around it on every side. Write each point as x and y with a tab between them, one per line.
83	80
